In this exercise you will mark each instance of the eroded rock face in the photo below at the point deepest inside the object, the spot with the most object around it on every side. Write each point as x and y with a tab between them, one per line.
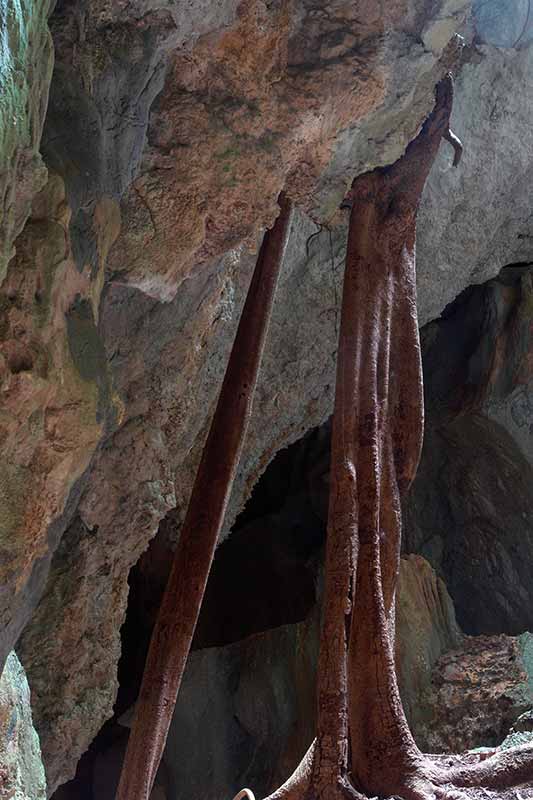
476	219
21	768
274	100
478	691
55	398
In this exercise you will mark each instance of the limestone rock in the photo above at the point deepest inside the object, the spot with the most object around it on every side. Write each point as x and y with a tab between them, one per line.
253	702
524	723
476	219
314	100
478	691
21	768
426	628
55	398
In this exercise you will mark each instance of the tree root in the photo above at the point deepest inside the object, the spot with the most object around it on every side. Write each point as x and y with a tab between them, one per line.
471	776
245	793
503	774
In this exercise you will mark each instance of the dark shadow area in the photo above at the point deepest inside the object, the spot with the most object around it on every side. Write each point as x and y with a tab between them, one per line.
264	576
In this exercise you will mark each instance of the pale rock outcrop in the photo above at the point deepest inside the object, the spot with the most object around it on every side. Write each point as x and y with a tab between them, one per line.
21	769
427	628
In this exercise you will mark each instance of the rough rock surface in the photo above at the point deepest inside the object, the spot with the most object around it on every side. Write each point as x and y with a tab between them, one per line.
476	219
426	626
478	691
21	768
254	702
193	175
55	398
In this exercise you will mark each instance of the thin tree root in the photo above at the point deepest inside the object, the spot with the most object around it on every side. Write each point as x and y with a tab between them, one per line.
456	143
502	772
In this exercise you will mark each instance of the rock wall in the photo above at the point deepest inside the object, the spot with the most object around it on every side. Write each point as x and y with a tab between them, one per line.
21	768
478	693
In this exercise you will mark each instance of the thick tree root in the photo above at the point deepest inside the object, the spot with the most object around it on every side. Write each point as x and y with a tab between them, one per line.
306	783
504	775
364	748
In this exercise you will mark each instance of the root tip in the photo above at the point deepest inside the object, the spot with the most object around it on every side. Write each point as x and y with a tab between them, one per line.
244	793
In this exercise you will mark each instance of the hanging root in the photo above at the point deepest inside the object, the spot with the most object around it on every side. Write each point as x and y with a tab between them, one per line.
456	143
245	793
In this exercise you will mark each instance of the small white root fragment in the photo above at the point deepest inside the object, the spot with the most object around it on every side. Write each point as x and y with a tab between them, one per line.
244	793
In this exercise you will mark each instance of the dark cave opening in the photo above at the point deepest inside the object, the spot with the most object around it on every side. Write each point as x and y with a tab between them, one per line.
265	576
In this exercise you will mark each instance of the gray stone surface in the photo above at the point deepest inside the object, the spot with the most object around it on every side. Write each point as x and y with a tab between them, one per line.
526	648
426	628
252	705
503	23
22	772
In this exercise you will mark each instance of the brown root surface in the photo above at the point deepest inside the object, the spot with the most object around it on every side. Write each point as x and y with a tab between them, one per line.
504	774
